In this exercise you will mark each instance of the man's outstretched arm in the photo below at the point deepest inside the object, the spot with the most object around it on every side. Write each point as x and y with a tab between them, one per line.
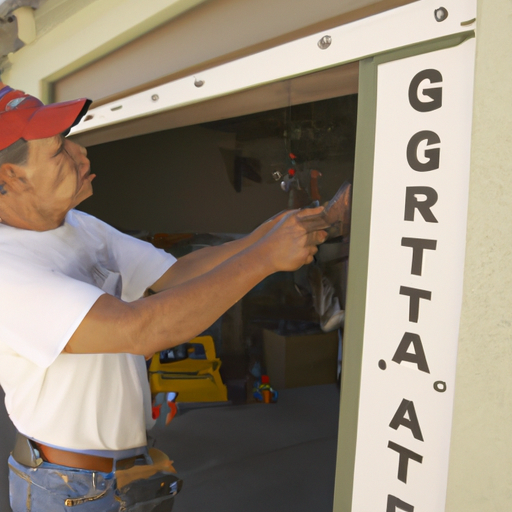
199	262
180	313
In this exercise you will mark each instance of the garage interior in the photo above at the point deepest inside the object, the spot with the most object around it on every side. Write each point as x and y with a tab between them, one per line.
191	185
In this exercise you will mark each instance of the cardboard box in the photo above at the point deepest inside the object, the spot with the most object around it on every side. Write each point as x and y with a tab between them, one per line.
301	360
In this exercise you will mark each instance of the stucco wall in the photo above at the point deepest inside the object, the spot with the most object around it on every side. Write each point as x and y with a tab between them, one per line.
481	455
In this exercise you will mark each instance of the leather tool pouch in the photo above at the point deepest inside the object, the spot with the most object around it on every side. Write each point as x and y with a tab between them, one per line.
25	452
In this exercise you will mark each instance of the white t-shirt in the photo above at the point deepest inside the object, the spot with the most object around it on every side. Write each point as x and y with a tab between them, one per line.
48	282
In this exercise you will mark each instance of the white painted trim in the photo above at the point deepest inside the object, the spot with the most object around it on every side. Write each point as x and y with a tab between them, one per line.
396	28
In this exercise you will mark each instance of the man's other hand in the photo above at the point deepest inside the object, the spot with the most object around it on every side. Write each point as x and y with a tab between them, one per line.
291	242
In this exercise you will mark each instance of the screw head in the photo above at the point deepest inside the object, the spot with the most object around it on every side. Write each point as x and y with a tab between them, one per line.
198	83
325	42
155	97
440	14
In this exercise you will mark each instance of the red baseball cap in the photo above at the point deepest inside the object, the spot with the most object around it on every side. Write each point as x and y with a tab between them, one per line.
25	117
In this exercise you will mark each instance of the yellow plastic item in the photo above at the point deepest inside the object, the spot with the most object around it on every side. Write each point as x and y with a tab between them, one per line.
195	380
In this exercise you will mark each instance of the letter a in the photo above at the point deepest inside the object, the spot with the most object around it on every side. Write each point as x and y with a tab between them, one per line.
407	407
418	356
394	503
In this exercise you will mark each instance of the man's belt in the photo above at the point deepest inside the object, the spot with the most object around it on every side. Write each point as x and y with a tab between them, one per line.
82	460
23	449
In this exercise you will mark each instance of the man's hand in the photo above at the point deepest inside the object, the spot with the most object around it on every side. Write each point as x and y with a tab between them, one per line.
291	242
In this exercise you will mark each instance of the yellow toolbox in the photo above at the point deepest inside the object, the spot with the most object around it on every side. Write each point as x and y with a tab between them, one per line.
195	377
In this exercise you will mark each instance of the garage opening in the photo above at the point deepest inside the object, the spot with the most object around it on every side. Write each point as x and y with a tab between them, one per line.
195	184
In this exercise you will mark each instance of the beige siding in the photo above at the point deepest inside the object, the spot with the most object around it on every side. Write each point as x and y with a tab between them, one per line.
481	455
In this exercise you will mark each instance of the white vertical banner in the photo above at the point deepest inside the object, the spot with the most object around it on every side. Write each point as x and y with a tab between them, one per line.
415	278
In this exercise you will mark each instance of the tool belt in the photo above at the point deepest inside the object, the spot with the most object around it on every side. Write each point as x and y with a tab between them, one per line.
151	480
32	454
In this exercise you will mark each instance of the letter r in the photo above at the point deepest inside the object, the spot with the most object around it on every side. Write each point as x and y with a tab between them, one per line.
413	203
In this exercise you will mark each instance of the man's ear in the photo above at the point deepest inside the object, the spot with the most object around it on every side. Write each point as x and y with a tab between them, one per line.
12	178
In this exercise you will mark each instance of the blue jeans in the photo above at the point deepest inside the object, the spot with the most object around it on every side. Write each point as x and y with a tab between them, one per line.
54	488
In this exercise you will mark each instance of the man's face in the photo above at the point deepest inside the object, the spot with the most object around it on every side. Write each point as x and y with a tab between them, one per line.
57	176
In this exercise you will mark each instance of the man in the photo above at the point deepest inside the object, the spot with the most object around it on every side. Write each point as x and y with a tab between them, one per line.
74	329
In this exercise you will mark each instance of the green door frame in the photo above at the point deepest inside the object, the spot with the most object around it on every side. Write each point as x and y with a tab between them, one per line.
358	258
